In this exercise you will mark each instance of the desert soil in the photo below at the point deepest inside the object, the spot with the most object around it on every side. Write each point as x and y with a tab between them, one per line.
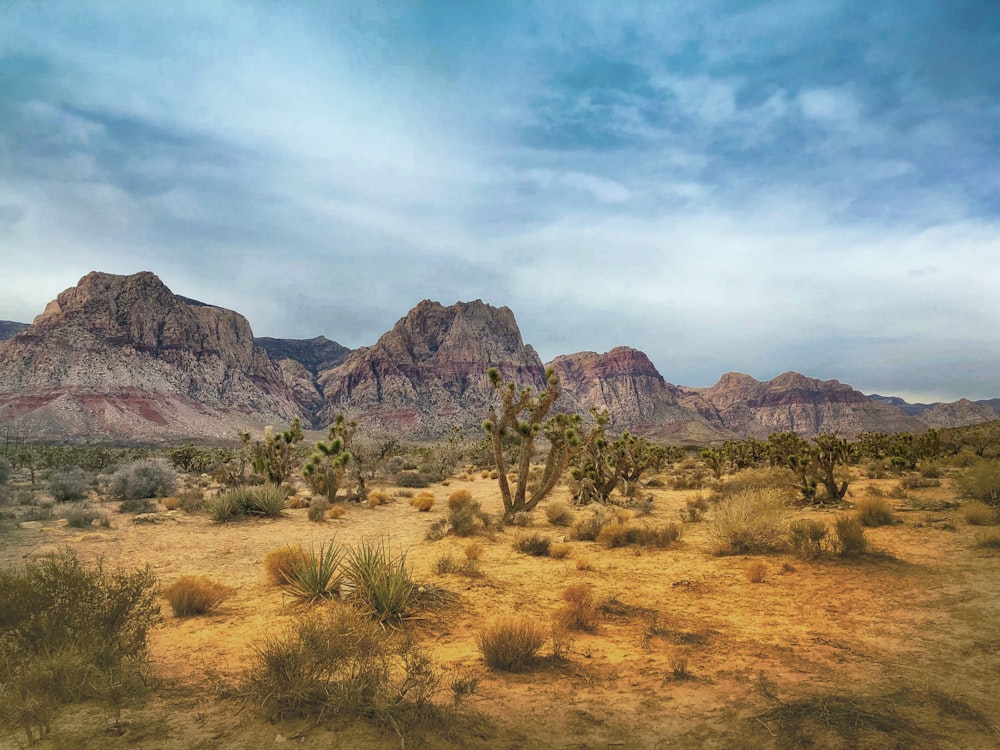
902	648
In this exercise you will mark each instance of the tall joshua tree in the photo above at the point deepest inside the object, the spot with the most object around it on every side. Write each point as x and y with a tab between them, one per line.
525	414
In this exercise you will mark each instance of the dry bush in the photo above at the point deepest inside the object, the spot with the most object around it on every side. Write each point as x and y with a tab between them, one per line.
195	595
579	612
318	509
533	544
336	511
279	563
171	503
191	500
874	491
750	521
978	513
446	564
583	563
511	644
297	501
423	502
850	533
756	572
805	537
465	515
918	483
981	481
930	470
874	511
897	491
494	474
521	519
989	539
776	478
618	534
560	550
459	499
660	536
559	513
473	551
694	509
484	474
377	498
587	528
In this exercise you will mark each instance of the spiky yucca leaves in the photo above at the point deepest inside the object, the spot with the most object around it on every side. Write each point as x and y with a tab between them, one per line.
314	575
523	414
266	500
274	456
380	579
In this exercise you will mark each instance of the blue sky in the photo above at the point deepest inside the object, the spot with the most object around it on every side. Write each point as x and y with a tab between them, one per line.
750	186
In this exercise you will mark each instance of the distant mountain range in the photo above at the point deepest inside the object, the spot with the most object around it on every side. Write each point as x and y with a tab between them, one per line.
123	358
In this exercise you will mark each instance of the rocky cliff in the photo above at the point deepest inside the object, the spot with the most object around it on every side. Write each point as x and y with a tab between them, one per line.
741	405
301	361
429	372
8	328
123	357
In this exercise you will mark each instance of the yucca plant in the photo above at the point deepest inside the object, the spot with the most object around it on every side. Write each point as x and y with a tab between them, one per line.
380	579
315	575
267	500
225	507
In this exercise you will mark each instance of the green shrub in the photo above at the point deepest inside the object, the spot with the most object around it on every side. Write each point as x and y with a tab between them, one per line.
981	481
195	595
511	643
225	506
750	521
413	479
69	633
558	513
379	579
147	478
465	515
266	500
874	511
805	537
82	517
312	576
978	513
68	485
533	544
850	533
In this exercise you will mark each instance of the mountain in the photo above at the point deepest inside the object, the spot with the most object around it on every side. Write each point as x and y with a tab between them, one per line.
428	374
8	328
301	361
627	384
948	414
122	357
741	405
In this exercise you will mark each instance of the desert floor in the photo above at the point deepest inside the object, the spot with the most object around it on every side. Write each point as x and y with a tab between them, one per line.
898	649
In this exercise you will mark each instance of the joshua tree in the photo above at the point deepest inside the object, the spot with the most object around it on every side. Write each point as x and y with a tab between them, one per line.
273	457
829	452
524	414
324	471
602	465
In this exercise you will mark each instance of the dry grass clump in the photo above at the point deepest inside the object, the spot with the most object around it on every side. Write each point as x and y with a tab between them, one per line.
749	521
587	528
805	537
560	550
318	509
533	544
579	612
584	563
756	572
978	513
195	595
512	643
661	536
694	509
377	498
465	516
171	503
336	511
459	499
559	513
278	564
618	534
850	533
423	502
874	511
989	539
297	501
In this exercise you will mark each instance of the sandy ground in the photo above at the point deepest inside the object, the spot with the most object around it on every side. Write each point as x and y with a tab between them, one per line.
903	646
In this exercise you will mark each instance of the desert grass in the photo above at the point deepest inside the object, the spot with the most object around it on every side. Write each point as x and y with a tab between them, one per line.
190	596
874	511
749	521
579	612
511	644
978	513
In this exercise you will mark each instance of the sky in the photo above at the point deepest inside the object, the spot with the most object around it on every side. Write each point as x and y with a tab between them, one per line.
725	185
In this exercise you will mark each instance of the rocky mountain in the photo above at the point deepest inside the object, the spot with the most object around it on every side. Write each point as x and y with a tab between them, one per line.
8	328
627	384
742	405
428	373
122	357
948	414
301	361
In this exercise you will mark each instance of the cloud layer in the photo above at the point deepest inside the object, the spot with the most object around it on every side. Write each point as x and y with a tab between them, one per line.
763	187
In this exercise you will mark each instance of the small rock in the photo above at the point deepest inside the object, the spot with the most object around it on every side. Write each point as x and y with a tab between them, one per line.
279	739
146	518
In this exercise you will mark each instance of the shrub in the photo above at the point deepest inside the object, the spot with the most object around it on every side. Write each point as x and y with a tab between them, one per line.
413	479
318	510
750	521
446	564
171	503
587	528
579	612
266	500
70	633
378	497
874	511
533	544
336	510
465	514
380	579
225	507
4	470
459	499
930	470
279	564
918	483
315	575
147	478
850	533
195	595
583	563
558	513
981	481
511	644
337	664
660	536
618	534
81	517
68	485
191	501
694	509
423	502
560	550
138	506
756	572
805	537
989	539
978	513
